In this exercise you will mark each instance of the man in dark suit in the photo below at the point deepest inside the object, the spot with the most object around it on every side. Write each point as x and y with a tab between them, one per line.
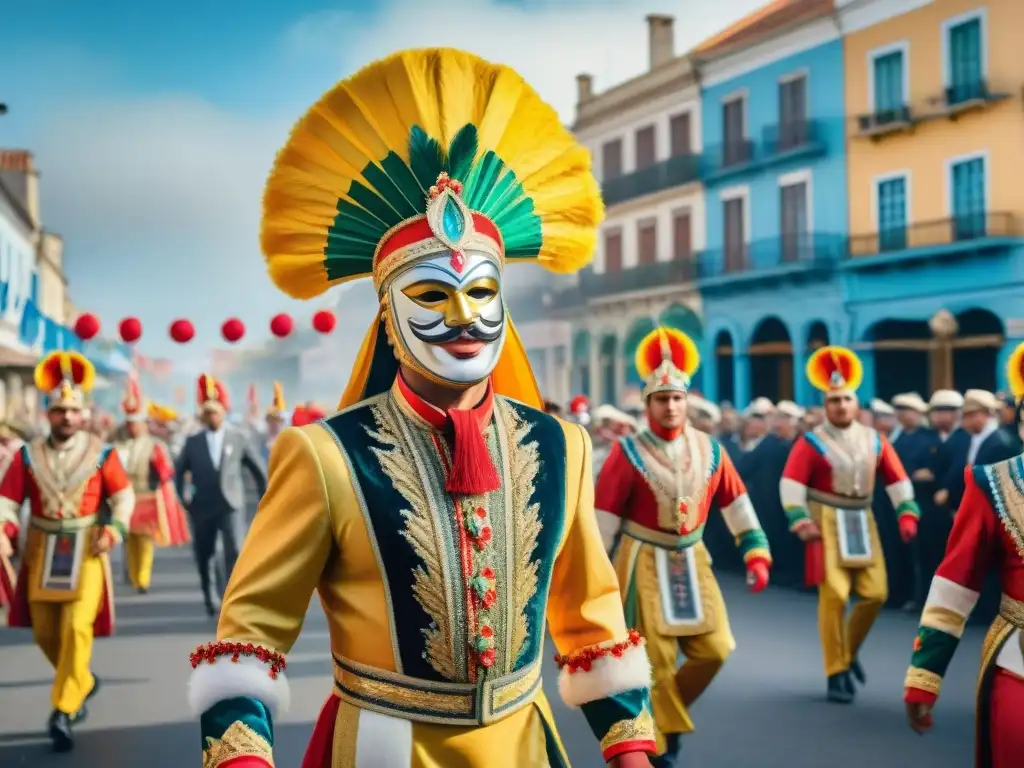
214	459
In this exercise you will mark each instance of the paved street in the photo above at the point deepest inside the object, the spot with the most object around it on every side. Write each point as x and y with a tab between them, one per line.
766	710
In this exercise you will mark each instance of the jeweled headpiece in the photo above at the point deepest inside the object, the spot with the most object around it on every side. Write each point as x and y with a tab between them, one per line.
666	360
66	377
833	369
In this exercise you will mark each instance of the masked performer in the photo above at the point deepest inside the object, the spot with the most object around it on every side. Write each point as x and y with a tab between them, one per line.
987	535
64	590
441	516
159	518
826	491
653	497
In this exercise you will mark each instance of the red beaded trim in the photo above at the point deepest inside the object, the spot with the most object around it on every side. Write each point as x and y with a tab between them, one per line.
212	651
581	661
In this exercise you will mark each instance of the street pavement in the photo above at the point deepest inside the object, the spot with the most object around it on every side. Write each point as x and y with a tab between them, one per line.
765	710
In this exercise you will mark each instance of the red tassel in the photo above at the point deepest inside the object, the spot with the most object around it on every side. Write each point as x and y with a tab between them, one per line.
814	563
472	471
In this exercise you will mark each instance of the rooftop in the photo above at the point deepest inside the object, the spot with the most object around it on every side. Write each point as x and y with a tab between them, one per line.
773	18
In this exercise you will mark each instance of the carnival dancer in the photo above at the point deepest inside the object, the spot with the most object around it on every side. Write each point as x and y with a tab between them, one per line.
64	590
441	515
652	500
11	442
159	517
579	410
987	535
826	490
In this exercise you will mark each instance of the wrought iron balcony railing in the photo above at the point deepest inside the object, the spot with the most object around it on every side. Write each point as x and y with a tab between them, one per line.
808	248
674	172
791	136
965	227
885	120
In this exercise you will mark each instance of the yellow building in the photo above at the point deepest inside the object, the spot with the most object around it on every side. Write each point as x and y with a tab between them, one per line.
935	156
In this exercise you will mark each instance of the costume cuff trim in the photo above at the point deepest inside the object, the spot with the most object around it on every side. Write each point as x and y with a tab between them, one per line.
10	511
241	675
900	492
740	516
122	506
239	747
923	680
757	555
908	508
797	517
635	735
793	495
599	671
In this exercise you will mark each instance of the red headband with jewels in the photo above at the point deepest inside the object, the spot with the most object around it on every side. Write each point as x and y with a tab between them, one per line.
448	224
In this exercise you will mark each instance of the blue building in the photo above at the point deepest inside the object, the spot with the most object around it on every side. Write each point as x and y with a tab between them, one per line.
774	171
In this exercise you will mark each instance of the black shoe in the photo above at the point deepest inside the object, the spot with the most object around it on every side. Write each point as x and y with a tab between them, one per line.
838	692
857	671
95	687
668	760
848	684
80	715
60	732
142	590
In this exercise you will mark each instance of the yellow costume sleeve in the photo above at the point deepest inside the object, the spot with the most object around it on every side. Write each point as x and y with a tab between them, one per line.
239	682
604	667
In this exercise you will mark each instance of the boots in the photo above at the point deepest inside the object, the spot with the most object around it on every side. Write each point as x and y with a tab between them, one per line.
60	732
673	742
857	672
840	689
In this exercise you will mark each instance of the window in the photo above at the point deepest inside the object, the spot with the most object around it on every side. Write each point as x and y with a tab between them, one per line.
892	214
679	131
792	112
682	236
965	75
889	87
647	241
734	145
611	160
645	155
35	289
795	223
735	235
968	197
613	251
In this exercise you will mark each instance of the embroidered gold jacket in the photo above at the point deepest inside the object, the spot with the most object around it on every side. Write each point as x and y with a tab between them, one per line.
436	604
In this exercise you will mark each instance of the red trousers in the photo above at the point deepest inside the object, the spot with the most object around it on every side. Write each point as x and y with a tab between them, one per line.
1006	728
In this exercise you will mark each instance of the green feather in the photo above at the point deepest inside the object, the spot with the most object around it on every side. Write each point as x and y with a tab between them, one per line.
390	192
426	157
462	152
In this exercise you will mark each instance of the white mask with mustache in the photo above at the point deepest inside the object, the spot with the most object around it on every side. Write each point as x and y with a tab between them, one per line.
434	303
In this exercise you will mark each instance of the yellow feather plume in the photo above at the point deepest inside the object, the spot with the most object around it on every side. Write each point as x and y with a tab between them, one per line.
278	403
1015	372
58	367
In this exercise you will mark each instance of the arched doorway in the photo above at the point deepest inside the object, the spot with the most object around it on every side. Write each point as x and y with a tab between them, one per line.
771	361
684	319
902	352
640	328
817	337
581	363
724	367
975	350
609	364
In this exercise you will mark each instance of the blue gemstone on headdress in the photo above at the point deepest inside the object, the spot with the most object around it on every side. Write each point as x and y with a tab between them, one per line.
837	379
453	222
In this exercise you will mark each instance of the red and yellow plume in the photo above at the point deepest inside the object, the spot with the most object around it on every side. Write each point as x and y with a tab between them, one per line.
278	405
59	368
835	369
1015	372
579	403
666	345
211	393
133	405
161	413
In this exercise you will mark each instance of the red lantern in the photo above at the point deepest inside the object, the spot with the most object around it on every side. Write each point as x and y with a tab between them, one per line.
281	325
87	326
233	330
324	321
130	330
182	331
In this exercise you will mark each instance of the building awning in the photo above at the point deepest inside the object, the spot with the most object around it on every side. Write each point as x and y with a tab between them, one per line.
12	358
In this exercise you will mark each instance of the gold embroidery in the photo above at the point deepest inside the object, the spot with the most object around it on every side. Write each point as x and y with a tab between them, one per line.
423	536
505	695
63	477
523	466
944	619
662	476
239	740
403	695
1012	514
852	457
640	728
923	680
1012	610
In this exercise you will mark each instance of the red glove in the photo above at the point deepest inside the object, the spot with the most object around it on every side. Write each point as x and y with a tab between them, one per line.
908	528
757	575
630	760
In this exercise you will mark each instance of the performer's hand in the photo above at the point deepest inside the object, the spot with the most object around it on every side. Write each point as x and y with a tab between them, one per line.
102	542
919	716
941	497
631	760
808	530
908	528
923	475
757	575
6	547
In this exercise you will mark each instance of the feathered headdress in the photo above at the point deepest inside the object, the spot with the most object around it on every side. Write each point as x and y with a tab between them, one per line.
1015	372
666	360
424	152
133	405
834	369
278	405
579	404
211	394
162	414
65	377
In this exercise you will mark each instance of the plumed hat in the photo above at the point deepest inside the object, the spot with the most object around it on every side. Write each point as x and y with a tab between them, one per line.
66	378
666	360
833	369
133	406
162	414
1015	372
211	394
277	406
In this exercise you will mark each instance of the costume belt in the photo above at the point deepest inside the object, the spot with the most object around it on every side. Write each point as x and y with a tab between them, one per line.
488	700
63	525
659	538
838	502
1012	610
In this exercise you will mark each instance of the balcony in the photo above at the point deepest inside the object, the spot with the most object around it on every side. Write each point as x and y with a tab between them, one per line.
674	172
955	235
729	158
968	96
769	257
792	139
875	125
643	277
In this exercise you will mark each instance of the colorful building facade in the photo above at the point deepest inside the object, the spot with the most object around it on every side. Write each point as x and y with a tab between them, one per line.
775	188
934	278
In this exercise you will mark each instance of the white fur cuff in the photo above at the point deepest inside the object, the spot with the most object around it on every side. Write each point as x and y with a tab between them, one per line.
227	679
607	676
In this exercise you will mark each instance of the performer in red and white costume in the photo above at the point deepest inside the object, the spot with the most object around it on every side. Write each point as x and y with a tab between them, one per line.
987	535
652	499
826	490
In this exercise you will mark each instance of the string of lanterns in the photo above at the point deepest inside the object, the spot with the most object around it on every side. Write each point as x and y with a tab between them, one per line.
87	326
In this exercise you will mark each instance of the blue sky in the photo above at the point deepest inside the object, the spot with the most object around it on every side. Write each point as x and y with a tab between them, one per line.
154	124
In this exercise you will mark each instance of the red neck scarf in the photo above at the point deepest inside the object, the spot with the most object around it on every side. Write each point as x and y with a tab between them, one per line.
666	434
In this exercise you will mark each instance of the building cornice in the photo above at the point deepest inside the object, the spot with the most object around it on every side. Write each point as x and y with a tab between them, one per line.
855	15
